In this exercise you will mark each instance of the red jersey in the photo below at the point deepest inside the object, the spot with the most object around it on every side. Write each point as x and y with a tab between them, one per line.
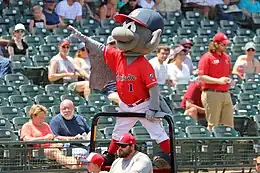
215	65
132	81
193	94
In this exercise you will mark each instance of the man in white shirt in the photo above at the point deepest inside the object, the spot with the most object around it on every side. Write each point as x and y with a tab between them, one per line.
187	44
158	64
146	3
69	9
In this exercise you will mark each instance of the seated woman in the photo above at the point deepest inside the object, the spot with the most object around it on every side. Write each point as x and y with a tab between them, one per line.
38	129
247	64
17	46
178	72
38	20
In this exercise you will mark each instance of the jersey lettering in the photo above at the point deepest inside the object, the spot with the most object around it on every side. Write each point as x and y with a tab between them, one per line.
131	87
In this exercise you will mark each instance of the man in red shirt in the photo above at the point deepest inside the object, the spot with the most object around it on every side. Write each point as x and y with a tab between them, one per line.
214	71
191	101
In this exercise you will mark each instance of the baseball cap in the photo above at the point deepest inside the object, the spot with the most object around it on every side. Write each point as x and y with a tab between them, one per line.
176	51
250	45
221	37
185	42
145	17
64	42
110	39
19	26
127	139
93	158
81	45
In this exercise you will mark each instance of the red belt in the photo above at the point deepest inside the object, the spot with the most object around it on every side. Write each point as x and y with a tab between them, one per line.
137	102
208	89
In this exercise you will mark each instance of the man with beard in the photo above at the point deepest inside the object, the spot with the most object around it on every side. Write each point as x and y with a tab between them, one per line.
129	159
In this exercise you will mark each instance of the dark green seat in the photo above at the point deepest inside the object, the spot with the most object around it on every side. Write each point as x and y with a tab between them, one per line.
20	101
19	122
110	108
179	133
98	100
61	32
56	90
165	90
105	122
224	131
108	131
7	90
55	110
31	90
182	121
41	31
86	110
5	124
41	60
10	112
140	133
35	40
48	50
16	80
53	39
7	135
209	24
197	131
76	99
46	100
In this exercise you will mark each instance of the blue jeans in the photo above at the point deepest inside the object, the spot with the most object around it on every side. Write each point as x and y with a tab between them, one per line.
5	67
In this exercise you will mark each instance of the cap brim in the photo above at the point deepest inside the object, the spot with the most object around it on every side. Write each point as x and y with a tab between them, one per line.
226	41
121	18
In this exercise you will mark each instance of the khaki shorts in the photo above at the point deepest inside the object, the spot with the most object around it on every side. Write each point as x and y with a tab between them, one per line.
218	107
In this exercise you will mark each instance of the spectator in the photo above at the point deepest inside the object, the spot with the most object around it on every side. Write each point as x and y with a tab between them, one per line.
94	162
106	10
17	46
178	72
247	64
52	18
249	6
63	70
158	64
81	58
257	165
129	159
69	126
187	44
38	20
129	7
5	65
37	129
214	72
191	101
168	5
69	9
147	4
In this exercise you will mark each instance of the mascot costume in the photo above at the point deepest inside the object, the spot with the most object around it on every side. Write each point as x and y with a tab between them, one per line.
136	83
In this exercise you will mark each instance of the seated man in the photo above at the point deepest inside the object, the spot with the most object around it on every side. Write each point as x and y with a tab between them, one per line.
69	9
70	126
192	101
64	70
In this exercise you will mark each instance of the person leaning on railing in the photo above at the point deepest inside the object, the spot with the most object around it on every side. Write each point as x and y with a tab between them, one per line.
38	130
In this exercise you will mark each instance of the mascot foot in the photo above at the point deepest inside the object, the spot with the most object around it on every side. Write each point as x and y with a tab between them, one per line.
109	158
162	161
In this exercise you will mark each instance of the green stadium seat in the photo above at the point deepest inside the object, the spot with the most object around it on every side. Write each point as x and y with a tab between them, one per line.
56	90
105	122
48	50
7	135
226	24
181	88
177	16
20	101
109	23
86	110
10	112
41	31
108	131
41	60
3	30
252	78
209	24
177	39
7	90
35	40
140	133
32	50
11	12
245	32
224	131
101	39
205	32
22	60
236	78
98	100
103	31
76	99
189	24
55	110
169	31
110	108
242	40
249	86
92	23
247	98
179	133
228	32
88	31
16	80
5	124
193	15
241	123
6	21
53	39
18	122
165	90
3	101
256	39
183	121
46	100
187	33
31	90
61	32
198	132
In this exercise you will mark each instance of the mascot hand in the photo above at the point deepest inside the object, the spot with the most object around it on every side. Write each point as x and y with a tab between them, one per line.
75	32
150	115
160	114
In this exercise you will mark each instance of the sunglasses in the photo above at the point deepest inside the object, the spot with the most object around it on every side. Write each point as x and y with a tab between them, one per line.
187	47
251	49
67	47
123	145
83	49
20	30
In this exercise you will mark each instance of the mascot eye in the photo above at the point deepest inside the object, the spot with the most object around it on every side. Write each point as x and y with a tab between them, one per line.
130	25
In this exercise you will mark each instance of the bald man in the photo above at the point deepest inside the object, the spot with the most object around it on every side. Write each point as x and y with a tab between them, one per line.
69	126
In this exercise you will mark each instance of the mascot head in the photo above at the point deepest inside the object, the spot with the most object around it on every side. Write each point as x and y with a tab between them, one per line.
140	33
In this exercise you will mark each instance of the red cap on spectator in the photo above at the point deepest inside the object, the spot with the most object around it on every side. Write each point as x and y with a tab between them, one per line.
127	139
94	158
64	42
185	42
222	38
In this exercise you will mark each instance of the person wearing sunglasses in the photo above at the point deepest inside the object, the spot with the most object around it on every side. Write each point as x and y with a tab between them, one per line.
17	46
187	44
247	64
130	160
63	70
129	7
214	73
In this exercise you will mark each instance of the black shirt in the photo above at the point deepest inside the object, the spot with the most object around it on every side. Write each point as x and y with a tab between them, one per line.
127	9
16	50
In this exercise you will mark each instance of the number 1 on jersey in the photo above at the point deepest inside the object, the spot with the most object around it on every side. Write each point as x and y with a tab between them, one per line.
131	87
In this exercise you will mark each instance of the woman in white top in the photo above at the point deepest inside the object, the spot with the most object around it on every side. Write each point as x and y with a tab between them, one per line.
178	72
247	64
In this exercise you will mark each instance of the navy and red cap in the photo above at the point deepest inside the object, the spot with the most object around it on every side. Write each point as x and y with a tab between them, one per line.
127	139
145	17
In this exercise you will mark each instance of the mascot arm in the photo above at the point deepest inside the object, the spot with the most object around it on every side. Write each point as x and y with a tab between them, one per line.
154	103
94	46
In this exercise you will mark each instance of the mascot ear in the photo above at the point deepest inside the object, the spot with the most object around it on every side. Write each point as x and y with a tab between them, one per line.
155	40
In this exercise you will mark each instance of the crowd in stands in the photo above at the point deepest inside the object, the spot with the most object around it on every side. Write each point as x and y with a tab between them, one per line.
175	64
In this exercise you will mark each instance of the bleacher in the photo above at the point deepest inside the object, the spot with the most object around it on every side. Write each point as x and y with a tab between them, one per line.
195	146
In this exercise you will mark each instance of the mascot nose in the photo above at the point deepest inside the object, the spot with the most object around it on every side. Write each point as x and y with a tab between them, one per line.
122	34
